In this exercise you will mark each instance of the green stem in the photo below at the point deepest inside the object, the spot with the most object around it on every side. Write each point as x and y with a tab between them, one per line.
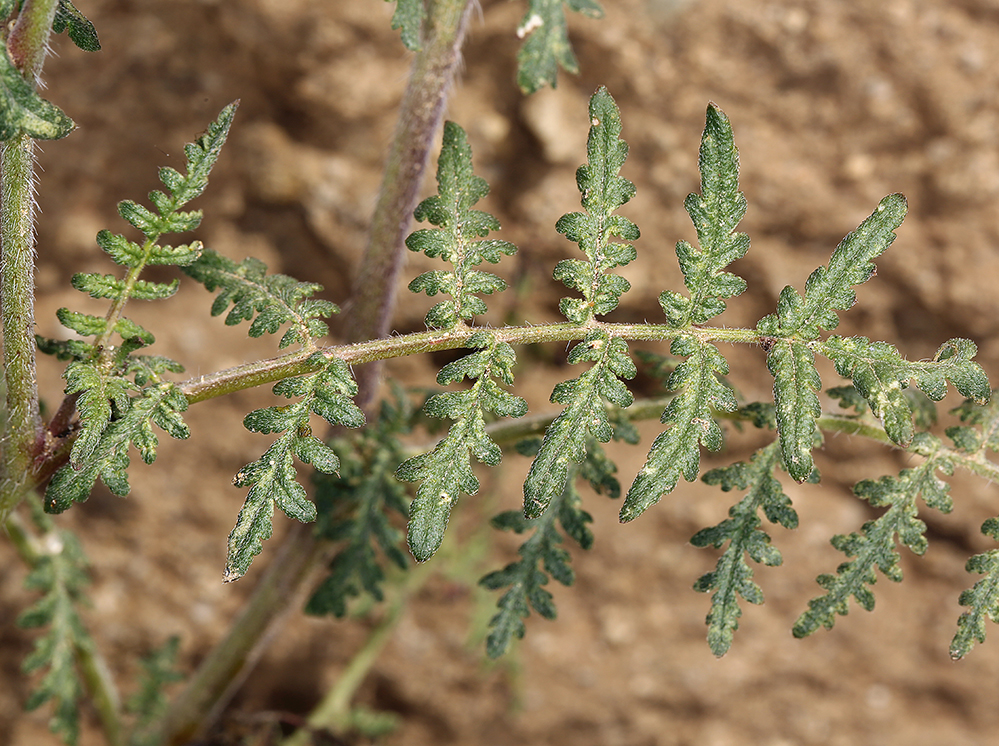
435	340
26	45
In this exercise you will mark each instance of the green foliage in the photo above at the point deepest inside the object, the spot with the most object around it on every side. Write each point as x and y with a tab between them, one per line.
690	416
446	471
547	47
881	375
458	188
160	404
80	30
408	17
715	214
524	580
118	393
874	547
272	478
982	599
585	414
60	576
149	702
733	577
356	508
603	191
267	301
789	334
23	111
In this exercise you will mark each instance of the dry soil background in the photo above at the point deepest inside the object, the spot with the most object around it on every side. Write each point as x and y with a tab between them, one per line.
834	103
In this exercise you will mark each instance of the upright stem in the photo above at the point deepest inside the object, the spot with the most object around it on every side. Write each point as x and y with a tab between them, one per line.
295	570
373	299
26	44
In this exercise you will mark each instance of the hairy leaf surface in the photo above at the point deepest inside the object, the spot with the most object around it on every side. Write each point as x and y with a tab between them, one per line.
603	191
733	577
455	238
547	44
585	413
690	417
446	471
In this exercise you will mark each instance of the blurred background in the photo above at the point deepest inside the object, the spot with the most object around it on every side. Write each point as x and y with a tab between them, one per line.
834	104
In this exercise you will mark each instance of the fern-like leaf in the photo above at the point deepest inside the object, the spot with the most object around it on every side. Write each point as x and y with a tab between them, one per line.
874	547
267	301
523	579
585	414
355	509
690	417
272	478
603	191
161	404
446	471
60	576
982	599
149	703
881	375
715	212
547	47
22	110
454	240
733	577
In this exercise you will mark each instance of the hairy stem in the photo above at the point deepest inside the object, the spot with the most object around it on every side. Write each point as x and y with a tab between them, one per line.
26	45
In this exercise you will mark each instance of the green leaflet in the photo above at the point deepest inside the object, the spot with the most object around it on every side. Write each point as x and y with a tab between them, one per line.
267	301
982	599
715	214
149	703
547	44
523	578
355	510
796	403
691	422
80	30
408	17
106	456
788	335
733	577
881	375
446	471
603	191
585	413
874	547
272	478
458	188
23	111
60	576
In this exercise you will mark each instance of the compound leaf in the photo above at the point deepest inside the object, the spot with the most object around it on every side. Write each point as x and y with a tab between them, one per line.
272	478
873	548
267	301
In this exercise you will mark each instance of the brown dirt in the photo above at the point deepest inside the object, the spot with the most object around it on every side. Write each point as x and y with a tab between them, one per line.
834	104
